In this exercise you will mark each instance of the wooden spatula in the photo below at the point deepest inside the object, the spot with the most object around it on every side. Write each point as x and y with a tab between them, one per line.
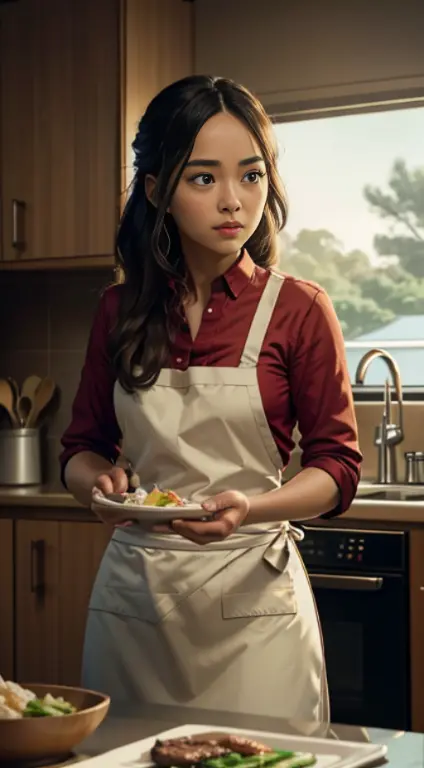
7	401
42	398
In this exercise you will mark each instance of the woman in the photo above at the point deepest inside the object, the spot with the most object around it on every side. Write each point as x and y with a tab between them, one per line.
201	363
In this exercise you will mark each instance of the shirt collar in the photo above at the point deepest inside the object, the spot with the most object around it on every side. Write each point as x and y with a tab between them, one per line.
235	279
238	276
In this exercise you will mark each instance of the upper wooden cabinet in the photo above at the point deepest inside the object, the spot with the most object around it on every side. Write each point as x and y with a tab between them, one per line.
157	48
75	78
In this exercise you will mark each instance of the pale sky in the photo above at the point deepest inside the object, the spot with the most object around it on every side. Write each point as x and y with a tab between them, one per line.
326	163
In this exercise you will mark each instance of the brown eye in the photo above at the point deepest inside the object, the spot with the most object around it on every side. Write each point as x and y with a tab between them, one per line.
203	179
253	176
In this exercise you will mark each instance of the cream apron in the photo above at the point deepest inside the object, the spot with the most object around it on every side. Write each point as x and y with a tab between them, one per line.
231	626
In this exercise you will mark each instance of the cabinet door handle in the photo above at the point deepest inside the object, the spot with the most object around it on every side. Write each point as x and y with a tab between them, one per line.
18	235
38	549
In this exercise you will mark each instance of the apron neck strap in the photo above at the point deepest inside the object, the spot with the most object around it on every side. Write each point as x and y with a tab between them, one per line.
261	321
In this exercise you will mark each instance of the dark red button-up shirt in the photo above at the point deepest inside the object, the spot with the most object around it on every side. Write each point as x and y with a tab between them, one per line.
302	372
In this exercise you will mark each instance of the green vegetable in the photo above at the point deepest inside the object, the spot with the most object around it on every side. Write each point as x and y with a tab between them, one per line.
51	708
298	761
63	706
279	757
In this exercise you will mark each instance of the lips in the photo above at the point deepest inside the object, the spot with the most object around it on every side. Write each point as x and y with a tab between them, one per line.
229	229
230	225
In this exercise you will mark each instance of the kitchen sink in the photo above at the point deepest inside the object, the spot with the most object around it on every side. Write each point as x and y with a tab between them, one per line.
390	493
396	503
393	495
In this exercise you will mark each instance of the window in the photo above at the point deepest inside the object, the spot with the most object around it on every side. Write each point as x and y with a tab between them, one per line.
355	185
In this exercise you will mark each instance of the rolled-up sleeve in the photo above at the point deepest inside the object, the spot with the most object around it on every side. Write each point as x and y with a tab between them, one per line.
93	424
323	400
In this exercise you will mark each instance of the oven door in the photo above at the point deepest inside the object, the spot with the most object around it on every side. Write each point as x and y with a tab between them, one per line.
365	627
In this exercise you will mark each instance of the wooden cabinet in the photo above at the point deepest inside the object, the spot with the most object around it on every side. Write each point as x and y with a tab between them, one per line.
60	128
6	598
55	567
157	48
75	78
416	580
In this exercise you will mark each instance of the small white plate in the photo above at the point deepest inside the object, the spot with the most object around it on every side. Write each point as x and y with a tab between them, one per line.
148	514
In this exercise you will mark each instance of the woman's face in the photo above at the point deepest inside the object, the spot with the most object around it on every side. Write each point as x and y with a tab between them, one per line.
220	198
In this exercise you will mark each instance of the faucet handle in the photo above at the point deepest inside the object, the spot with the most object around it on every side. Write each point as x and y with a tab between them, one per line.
387	434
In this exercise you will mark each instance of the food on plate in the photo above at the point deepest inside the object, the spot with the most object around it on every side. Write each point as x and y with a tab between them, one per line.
224	751
156	498
17	702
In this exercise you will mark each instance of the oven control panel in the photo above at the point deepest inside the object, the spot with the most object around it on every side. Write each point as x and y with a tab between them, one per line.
352	549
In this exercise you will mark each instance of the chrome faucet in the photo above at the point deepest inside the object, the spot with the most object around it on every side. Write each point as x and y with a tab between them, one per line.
387	434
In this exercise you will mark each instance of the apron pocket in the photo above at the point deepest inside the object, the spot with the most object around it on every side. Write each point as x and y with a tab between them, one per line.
276	602
132	604
259	583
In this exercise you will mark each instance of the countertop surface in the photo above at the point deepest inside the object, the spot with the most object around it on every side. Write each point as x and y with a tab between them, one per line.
126	725
37	496
54	496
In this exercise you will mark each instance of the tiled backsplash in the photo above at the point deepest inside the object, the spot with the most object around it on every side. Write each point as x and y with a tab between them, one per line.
45	320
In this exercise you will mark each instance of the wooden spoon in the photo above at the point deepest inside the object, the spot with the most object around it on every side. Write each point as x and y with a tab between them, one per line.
24	407
15	389
30	386
44	394
27	397
6	400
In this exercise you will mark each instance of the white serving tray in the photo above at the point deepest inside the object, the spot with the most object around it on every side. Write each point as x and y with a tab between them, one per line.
148	514
329	753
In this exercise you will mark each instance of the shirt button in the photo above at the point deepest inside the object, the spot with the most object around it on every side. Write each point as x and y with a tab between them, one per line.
179	359
210	310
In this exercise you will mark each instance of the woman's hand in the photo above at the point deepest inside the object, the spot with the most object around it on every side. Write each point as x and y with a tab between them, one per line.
113	481
229	510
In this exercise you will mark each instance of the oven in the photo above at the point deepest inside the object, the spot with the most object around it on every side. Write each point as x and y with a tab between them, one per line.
360	582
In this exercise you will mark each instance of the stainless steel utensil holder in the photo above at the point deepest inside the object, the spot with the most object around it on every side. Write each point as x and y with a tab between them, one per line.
20	457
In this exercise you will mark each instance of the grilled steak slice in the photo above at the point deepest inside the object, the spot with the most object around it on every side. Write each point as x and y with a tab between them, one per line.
176	752
242	745
190	750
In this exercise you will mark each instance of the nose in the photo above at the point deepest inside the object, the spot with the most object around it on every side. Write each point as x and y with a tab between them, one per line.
229	201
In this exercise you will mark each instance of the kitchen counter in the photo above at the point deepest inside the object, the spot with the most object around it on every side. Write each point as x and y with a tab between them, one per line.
55	497
37	496
125	725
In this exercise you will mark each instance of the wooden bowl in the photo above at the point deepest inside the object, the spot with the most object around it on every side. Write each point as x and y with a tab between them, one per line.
50	738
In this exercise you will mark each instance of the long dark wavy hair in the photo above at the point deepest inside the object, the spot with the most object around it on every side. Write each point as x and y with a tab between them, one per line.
148	245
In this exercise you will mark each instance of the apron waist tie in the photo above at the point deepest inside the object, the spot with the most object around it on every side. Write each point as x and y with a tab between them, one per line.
247	539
